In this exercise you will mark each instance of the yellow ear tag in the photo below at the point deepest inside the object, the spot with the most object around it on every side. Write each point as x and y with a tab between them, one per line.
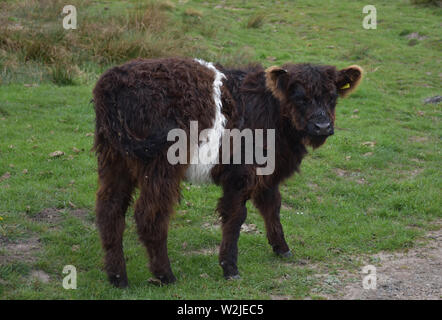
346	86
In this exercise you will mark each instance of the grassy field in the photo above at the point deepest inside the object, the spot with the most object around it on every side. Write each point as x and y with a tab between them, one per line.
374	186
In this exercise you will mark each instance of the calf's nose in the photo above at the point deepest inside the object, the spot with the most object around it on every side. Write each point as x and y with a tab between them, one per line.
323	129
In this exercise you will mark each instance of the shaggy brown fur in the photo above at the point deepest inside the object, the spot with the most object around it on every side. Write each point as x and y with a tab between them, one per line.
136	104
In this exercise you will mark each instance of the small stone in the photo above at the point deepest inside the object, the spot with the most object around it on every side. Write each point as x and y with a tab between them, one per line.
56	154
155	281
5	176
433	100
370	144
40	276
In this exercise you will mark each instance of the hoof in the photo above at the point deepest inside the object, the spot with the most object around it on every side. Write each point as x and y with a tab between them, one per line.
285	255
162	280
234	277
167	279
118	281
230	270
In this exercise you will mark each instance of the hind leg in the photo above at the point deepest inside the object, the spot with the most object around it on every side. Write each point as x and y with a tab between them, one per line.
159	193
113	198
233	212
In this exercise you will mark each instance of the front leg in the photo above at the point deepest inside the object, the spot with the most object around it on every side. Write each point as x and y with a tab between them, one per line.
268	202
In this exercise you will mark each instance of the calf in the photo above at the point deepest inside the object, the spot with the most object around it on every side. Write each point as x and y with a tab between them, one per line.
139	103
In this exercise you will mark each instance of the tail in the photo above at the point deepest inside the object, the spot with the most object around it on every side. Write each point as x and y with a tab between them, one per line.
111	129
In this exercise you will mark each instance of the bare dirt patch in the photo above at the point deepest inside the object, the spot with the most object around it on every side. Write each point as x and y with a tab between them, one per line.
418	139
215	225
53	216
79	213
350	175
280	297
416	35
50	215
246	227
250	228
414	274
205	251
40	276
409	174
23	250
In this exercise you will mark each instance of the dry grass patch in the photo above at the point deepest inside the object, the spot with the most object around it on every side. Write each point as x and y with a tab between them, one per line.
193	13
256	21
33	35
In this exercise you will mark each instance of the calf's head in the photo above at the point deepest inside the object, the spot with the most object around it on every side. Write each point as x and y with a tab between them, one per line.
308	96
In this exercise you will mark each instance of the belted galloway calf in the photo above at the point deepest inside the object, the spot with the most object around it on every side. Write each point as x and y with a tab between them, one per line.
139	104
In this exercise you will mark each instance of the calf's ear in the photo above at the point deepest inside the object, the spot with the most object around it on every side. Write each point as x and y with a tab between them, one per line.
275	79
348	80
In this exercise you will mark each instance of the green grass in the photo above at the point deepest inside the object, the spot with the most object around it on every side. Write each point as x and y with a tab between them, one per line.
355	197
